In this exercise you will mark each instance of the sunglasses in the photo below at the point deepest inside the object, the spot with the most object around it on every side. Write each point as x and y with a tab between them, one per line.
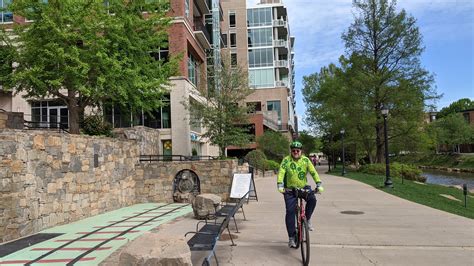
296	151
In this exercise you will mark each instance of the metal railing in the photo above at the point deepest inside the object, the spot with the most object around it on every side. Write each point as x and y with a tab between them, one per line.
175	158
281	63
61	128
199	26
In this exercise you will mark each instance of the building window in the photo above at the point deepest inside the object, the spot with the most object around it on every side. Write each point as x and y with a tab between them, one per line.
261	78
224	40
161	54
261	57
49	114
232	19
260	37
275	106
193	70
121	117
186	7
254	106
5	16
233	40
233	59
259	17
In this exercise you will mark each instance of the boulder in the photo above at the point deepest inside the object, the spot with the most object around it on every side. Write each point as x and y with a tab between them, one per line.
205	205
155	249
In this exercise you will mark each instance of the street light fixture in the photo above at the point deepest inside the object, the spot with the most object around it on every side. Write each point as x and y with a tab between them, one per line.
343	153
388	181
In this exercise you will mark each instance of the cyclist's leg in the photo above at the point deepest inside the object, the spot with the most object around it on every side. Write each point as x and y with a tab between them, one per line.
310	205
290	204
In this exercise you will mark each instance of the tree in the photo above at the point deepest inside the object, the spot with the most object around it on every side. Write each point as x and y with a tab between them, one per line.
453	130
86	52
222	112
457	106
274	145
310	143
381	69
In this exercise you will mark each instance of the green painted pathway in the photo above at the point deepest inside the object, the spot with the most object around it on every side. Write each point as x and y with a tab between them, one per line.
90	241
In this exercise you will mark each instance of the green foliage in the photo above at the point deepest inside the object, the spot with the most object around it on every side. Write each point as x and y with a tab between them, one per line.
457	106
310	143
426	194
380	69
465	161
452	129
95	125
78	52
6	60
220	112
257	159
396	169
272	165
274	145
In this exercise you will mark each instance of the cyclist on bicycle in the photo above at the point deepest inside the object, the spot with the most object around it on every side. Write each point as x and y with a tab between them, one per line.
292	174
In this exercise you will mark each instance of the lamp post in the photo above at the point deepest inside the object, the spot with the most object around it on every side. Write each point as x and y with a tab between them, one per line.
343	153
388	181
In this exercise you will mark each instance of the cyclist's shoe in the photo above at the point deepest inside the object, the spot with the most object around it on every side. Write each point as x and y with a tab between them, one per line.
310	226
292	242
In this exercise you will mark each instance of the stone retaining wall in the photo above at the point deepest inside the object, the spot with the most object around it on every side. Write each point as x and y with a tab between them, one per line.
148	138
52	178
155	180
12	120
48	179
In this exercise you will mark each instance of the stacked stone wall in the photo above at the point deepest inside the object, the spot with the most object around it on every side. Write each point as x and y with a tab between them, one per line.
148	139
47	179
155	180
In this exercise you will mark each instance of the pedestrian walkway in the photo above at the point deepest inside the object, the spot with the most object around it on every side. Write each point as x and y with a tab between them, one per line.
355	224
89	241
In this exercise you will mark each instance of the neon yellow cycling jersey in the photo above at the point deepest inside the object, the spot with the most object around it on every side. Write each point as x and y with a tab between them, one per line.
292	172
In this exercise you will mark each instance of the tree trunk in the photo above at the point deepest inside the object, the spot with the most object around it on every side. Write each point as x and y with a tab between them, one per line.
74	111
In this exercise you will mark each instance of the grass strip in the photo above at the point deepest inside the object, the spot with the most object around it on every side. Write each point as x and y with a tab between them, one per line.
425	194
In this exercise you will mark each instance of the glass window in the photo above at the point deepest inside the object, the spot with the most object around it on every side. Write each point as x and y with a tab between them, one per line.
262	78
274	106
260	37
232	20
224	40
261	57
259	17
5	16
233	40
193	70
186	7
233	59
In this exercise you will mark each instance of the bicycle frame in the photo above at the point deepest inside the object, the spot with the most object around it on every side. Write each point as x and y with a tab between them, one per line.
300	208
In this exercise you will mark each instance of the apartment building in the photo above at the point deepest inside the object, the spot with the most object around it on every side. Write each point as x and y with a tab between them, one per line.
190	36
258	38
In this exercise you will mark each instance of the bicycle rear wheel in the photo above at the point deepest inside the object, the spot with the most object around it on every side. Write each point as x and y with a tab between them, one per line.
305	244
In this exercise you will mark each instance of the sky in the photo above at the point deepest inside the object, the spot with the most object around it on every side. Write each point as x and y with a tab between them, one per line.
447	27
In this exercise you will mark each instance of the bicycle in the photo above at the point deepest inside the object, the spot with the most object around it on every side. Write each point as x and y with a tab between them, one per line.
302	228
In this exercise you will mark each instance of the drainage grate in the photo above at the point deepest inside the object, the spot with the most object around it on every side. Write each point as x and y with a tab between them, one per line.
352	212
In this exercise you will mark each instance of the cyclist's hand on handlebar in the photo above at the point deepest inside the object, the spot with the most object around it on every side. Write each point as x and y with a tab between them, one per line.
319	188
281	188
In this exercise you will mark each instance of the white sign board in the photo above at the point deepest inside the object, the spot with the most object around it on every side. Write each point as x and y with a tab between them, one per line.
240	185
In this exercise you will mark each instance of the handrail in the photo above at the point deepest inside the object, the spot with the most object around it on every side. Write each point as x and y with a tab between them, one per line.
180	158
61	127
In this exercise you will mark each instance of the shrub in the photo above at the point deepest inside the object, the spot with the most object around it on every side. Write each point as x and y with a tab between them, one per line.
95	125
406	171
257	159
272	165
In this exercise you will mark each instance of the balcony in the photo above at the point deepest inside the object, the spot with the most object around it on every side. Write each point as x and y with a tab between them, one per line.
204	6
282	46
281	83
279	23
281	63
202	34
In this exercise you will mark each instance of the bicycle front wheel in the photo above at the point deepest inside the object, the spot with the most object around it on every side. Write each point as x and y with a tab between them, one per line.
305	244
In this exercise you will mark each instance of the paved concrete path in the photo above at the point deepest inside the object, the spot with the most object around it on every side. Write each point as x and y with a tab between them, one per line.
391	230
91	240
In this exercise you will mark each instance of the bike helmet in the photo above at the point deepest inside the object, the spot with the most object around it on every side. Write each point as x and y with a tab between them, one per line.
296	145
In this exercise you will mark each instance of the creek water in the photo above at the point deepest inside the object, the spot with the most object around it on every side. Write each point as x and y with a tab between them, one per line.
448	178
